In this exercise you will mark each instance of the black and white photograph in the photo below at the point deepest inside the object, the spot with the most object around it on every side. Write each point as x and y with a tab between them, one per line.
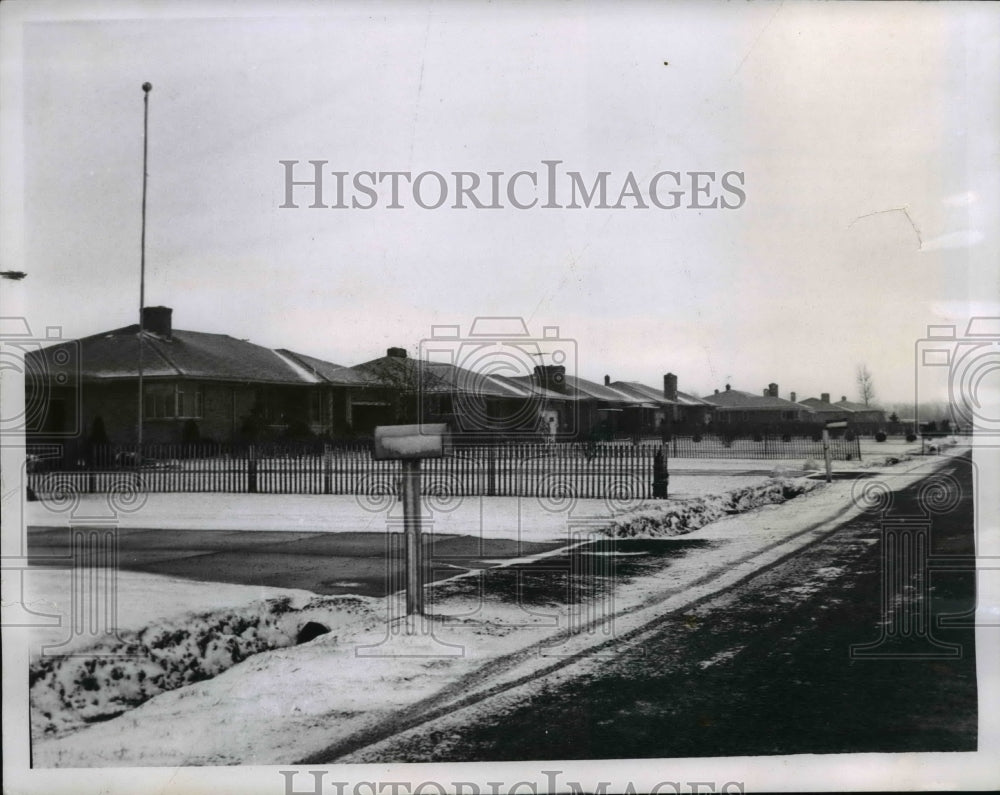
499	397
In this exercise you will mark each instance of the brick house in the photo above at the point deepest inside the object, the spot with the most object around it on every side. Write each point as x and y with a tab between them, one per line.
733	407
401	389
664	411
826	411
866	419
196	386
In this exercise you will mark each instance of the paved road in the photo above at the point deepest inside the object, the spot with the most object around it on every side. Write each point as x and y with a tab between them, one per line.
367	564
764	668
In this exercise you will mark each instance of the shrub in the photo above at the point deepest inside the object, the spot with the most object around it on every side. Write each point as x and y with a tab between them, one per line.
911	437
190	433
880	436
786	437
696	438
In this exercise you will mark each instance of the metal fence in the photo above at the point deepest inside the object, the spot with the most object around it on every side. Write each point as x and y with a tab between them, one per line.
606	470
763	446
577	470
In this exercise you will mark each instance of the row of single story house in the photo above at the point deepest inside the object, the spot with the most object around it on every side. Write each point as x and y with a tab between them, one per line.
199	386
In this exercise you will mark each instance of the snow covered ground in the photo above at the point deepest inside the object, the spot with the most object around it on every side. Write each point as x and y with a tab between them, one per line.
282	705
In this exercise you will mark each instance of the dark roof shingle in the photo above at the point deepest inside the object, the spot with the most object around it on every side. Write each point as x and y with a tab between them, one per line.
185	354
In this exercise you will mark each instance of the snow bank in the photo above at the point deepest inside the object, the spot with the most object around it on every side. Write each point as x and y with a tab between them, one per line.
114	676
671	519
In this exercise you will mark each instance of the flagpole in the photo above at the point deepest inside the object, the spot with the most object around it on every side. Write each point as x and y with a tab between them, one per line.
146	88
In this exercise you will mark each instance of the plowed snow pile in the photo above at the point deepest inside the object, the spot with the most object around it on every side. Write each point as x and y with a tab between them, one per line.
115	676
677	518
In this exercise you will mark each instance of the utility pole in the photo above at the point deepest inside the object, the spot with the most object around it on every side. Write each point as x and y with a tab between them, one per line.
146	88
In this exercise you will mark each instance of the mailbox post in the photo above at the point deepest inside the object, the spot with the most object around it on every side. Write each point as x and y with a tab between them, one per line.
826	446
414	542
409	444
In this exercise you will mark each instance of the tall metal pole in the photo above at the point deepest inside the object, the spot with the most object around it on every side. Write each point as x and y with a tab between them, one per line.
146	88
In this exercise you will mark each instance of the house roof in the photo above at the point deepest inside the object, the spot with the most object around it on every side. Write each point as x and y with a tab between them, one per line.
524	388
187	354
578	389
825	407
851	406
594	391
325	371
404	372
640	392
653	395
745	401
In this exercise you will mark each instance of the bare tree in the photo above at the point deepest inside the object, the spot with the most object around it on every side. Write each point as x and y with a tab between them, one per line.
866	386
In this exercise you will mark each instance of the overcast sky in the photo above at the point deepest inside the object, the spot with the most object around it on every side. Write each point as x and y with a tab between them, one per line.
833	113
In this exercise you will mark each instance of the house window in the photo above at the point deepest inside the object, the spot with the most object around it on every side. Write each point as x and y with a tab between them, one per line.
166	401
316	406
188	401
158	402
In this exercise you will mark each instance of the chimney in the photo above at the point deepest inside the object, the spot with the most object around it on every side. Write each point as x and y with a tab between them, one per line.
825	397
766	392
717	391
551	376
607	380
670	386
772	390
727	387
791	397
843	398
157	319
396	353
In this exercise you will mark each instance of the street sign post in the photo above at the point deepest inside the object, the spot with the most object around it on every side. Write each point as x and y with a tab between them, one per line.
409	444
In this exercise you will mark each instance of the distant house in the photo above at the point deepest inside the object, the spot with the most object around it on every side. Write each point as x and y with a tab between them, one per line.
866	419
734	407
399	389
664	410
587	410
826	411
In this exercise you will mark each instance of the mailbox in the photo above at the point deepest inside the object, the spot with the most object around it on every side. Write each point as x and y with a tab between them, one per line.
409	442
835	425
